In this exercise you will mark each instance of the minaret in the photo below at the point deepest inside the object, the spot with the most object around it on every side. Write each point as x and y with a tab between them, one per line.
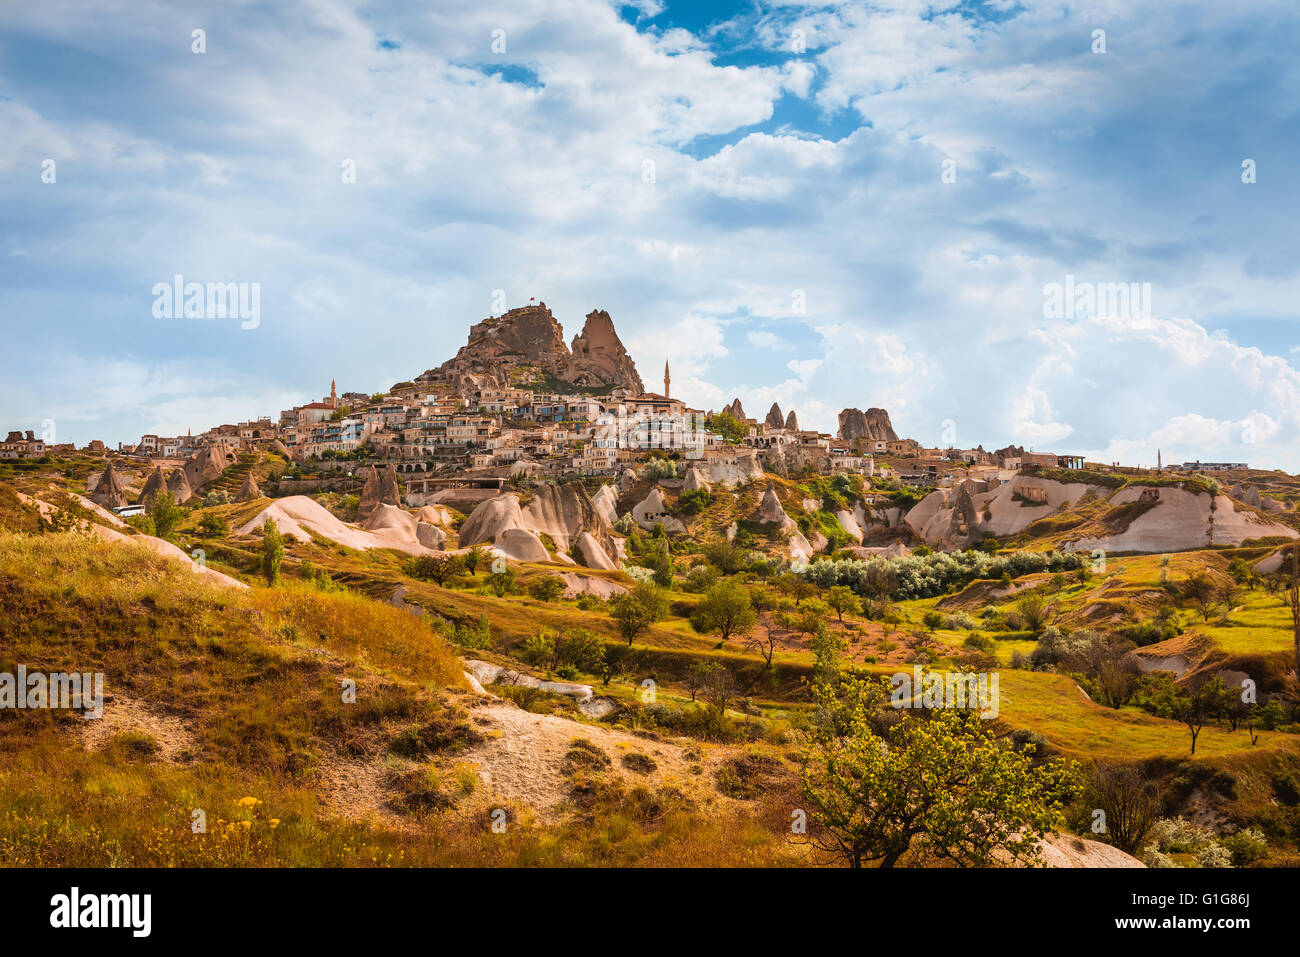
667	381
334	395
1159	464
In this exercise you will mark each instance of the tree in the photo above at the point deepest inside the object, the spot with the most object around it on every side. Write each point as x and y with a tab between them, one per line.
1035	610
842	601
165	514
638	609
502	583
726	610
719	689
473	558
943	789
213	525
438	569
1129	801
728	557
1228	593
933	619
1200	589
1195	705
697	676
794	586
547	588
272	552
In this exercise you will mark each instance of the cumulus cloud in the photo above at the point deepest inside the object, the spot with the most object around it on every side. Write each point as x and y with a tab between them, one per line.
736	205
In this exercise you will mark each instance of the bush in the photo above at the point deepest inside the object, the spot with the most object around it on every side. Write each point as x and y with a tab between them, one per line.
547	588
1245	847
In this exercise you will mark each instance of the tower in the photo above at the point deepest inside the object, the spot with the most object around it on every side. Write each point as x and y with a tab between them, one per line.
1159	463
334	395
667	381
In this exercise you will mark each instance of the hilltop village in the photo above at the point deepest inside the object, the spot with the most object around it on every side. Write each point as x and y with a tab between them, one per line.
517	401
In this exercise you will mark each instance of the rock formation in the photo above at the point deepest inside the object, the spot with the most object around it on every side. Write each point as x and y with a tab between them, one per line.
249	490
735	410
598	356
774	420
564	512
605	501
522	545
179	485
695	481
791	422
770	510
873	424
652	511
207	464
531	337
155	483
377	491
593	554
109	492
490	519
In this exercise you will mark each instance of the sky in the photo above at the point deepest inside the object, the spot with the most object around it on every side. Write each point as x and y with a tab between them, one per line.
819	205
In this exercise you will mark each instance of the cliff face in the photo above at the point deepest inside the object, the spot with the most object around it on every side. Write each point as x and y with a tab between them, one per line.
531	336
598	354
872	424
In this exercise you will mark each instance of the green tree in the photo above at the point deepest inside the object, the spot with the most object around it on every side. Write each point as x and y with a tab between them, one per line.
638	609
165	514
473	558
546	588
942	789
933	619
502	583
843	602
272	552
213	525
438	569
726	611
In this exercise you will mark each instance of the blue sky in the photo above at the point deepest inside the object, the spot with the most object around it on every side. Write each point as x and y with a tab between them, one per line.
754	191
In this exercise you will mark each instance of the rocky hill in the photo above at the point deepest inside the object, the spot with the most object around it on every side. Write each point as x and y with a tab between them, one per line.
872	424
527	343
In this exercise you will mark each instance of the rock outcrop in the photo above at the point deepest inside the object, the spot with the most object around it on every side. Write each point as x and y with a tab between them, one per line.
564	512
735	410
109	491
522	545
531	337
791	422
378	490
774	420
605	501
598	356
653	510
430	535
179	486
249	490
155	483
695	481
207	464
873	424
593	553
770	511
490	519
